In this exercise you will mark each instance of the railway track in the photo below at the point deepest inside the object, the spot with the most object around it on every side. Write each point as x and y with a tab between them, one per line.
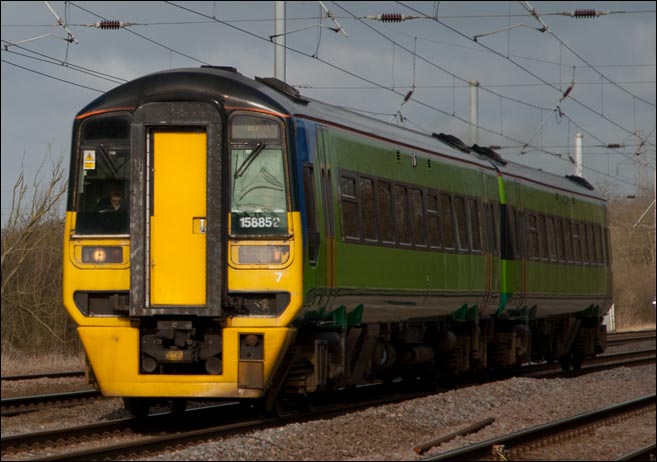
144	437
19	405
515	445
621	338
154	434
47	375
23	404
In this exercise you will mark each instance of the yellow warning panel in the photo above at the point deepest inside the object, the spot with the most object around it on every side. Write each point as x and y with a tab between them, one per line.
89	156
177	225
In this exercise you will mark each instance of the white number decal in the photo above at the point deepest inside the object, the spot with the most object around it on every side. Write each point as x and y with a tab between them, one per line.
278	276
259	222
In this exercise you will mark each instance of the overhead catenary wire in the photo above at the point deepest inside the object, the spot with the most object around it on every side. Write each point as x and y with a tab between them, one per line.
375	83
68	65
336	67
533	74
145	38
564	94
536	15
53	77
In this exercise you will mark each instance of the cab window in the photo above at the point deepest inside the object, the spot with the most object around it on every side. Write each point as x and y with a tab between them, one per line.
103	182
258	191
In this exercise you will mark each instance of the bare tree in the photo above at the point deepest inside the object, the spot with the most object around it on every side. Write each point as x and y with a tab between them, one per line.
33	317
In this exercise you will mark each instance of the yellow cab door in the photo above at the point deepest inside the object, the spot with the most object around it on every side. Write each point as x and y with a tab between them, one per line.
177	254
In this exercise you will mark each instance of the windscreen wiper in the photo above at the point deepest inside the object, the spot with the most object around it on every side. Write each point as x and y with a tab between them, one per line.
249	160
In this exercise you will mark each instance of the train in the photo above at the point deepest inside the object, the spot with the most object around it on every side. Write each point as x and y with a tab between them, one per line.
265	246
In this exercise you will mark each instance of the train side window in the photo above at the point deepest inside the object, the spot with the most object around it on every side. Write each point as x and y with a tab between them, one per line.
449	239
520	235
400	199
461	223
577	249
368	208
590	239
491	232
433	220
558	234
311	213
474	227
606	238
533	235
542	238
551	242
417	218
567	240
349	203
386	219
599	257
495	207
584	243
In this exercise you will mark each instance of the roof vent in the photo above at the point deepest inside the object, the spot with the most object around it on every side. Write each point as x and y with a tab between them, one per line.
221	68
489	153
284	88
580	181
452	141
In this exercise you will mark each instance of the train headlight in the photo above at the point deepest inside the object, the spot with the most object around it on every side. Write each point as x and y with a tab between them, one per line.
98	255
262	254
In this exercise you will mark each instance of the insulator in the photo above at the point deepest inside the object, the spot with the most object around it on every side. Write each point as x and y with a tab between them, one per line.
392	17
109	24
614	146
585	13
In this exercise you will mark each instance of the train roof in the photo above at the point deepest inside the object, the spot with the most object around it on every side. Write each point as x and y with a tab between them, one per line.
233	90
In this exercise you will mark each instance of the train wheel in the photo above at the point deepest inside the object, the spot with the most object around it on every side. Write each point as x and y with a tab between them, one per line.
566	362
286	405
138	407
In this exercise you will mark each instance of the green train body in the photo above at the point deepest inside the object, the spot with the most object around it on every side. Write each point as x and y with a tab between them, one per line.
392	253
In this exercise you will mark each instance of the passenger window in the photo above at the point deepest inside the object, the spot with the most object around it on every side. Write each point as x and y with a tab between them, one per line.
474	224
449	238
401	214
551	242
590	239
583	243
386	221
533	236
349	203
461	223
567	240
599	257
368	209
542	241
433	220
558	235
417	218
577	249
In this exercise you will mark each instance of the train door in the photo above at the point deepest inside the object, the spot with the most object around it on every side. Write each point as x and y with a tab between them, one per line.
491	244
328	228
177	219
518	254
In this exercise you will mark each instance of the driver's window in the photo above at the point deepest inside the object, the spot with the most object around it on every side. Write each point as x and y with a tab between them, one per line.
259	199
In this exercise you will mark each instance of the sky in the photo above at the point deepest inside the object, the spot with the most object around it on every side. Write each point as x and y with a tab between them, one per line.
542	77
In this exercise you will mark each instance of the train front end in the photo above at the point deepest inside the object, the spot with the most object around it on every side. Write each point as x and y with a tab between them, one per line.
188	286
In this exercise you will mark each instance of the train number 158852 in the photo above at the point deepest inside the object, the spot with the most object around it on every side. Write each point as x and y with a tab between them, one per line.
260	222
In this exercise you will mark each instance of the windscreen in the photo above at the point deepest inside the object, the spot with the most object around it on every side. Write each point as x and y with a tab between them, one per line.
258	185
103	182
